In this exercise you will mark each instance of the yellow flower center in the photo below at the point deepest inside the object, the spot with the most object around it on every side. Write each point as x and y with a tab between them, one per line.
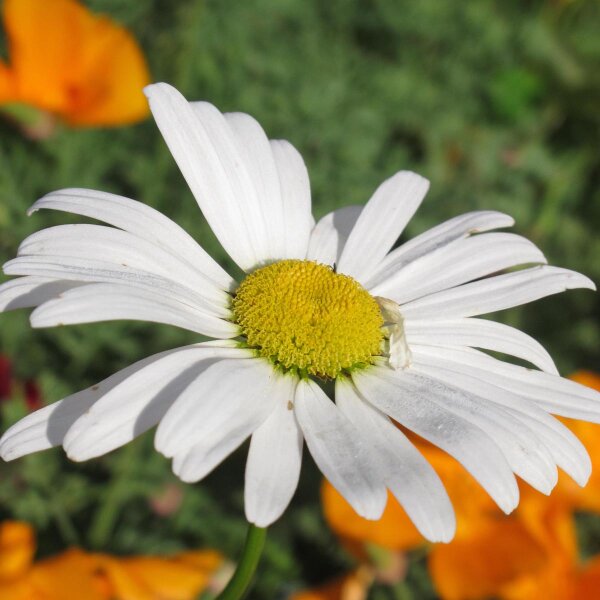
306	318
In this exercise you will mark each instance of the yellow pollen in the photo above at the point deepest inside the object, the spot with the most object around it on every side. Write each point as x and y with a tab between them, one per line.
306	318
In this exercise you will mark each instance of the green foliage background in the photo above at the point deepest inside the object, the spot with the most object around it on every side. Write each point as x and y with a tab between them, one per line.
495	102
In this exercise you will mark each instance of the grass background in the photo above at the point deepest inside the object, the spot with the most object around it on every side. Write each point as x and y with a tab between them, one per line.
495	102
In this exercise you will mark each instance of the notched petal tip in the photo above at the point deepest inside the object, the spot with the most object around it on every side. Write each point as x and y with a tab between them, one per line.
444	535
508	505
574	280
372	511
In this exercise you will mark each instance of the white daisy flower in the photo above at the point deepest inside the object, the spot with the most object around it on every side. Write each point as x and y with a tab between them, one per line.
394	329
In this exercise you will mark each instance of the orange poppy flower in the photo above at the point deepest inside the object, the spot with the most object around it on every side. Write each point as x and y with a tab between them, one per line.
66	61
75	574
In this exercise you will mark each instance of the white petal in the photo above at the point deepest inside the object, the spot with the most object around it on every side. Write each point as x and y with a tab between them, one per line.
46	427
405	471
329	235
221	426
458	262
107	244
96	271
525	454
496	293
273	466
25	292
480	333
138	402
202	144
232	157
554	394
213	402
415	408
381	222
437	237
339	451
295	194
97	302
139	219
255	149
566	450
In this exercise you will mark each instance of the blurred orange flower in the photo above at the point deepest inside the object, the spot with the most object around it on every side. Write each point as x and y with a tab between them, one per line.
352	586
68	62
528	555
75	574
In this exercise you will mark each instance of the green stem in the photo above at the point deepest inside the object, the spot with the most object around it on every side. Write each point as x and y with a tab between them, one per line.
242	578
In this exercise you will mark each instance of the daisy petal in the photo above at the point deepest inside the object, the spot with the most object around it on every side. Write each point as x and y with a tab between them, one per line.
231	155
139	402
254	147
566	450
98	302
46	427
339	451
86	270
202	144
554	394
496	293
437	237
405	471
329	235
381	222
412	406
526	456
458	262
273	466
295	193
480	333
215	402
25	292
221	426
139	219
107	244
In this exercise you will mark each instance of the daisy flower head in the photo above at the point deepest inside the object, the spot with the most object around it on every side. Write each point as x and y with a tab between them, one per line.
394	330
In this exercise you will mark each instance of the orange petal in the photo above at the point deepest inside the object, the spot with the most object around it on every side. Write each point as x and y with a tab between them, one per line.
181	577
17	547
481	564
550	521
68	61
554	582
112	75
72	575
21	589
393	531
352	586
7	87
471	503
588	585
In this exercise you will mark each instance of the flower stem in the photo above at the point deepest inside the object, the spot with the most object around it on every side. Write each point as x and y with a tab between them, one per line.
242	578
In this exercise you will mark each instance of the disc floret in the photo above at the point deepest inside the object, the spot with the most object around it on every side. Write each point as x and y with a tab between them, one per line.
306	318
